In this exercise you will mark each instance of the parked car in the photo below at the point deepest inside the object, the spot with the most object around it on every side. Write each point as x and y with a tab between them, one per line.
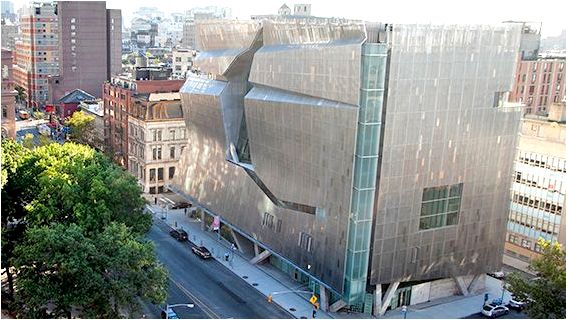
518	304
181	205
201	252
497	274
179	234
494	310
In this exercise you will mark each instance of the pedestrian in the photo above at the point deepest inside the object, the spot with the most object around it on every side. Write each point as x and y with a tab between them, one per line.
226	255
185	211
232	247
155	200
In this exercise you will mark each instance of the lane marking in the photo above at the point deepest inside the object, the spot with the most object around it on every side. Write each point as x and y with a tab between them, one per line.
200	303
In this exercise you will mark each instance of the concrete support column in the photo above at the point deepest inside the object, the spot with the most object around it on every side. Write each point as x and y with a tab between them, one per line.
202	219
238	246
256	248
461	286
388	297
324	295
474	281
337	306
377	300
261	257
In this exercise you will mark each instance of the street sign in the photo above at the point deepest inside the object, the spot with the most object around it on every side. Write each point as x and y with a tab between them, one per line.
313	299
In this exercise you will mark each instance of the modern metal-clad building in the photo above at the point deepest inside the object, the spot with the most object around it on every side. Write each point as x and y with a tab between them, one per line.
356	154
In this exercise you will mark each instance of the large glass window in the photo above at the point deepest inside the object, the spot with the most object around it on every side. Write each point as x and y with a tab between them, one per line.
440	206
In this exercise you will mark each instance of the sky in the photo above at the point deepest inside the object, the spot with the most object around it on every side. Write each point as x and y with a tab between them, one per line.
551	13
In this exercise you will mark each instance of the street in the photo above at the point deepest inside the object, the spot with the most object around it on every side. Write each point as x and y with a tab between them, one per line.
175	295
214	290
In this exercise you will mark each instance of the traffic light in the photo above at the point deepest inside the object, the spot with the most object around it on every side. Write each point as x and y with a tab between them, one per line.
270	298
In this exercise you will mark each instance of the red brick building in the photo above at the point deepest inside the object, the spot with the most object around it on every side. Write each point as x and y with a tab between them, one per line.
538	84
117	96
90	47
69	103
36	54
8	96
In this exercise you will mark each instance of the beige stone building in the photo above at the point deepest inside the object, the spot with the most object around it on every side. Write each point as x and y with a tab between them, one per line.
182	62
539	183
157	138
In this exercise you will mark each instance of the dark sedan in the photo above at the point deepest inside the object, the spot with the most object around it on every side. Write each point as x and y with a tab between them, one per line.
201	252
181	205
179	234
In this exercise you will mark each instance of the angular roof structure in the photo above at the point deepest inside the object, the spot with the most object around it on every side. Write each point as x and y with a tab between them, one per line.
76	96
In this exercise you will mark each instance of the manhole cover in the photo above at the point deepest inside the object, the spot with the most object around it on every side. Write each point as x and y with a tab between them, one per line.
245	277
292	309
255	284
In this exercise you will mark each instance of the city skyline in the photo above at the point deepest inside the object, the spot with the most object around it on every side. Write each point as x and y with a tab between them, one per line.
434	11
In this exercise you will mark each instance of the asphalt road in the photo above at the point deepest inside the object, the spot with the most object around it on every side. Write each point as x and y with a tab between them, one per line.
175	295
512	315
215	291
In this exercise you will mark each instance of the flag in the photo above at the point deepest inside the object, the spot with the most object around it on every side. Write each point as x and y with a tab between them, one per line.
216	223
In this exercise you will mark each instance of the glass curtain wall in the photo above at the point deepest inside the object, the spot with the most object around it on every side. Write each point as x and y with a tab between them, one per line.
374	59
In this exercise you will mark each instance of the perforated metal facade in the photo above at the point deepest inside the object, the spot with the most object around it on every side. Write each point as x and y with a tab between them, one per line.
336	136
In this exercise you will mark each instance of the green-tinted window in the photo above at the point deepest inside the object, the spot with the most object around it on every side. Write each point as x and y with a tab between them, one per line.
440	206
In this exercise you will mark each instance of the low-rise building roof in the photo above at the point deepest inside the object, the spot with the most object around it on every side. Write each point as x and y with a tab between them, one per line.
76	96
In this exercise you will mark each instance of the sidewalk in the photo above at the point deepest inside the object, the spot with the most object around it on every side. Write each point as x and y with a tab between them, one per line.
296	304
268	280
453	307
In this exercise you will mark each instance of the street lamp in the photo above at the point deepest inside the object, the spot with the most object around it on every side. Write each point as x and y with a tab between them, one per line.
168	310
503	290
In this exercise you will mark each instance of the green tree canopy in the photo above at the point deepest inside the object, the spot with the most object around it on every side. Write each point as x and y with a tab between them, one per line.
21	95
547	291
27	142
73	183
83	129
102	275
84	220
12	155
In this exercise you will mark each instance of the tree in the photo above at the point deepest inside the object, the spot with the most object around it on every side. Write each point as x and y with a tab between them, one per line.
74	201
28	142
21	95
547	292
83	129
12	209
38	115
73	183
12	155
101	275
44	140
